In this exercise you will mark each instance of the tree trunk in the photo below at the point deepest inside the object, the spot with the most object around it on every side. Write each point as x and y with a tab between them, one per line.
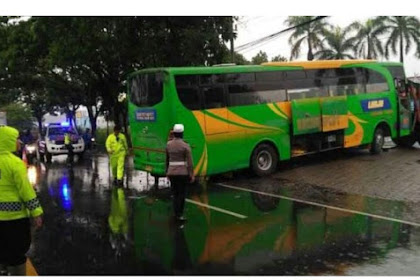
401	48
92	119
39	120
369	55
310	53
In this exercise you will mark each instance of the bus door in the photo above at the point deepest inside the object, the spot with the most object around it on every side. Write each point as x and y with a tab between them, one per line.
306	125
334	118
306	116
405	108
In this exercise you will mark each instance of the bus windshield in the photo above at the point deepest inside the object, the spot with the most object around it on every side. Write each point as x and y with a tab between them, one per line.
147	89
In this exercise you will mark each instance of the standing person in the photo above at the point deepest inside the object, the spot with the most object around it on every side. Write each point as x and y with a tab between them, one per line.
179	169
18	202
87	138
69	146
116	146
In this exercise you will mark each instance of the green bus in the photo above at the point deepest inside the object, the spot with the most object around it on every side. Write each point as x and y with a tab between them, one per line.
253	116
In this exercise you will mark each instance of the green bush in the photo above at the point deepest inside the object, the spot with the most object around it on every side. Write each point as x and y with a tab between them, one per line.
101	136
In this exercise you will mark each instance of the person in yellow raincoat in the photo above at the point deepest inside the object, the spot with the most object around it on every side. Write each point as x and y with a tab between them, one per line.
116	146
18	203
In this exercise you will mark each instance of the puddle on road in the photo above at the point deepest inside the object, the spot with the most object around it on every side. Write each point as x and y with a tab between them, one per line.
93	230
278	237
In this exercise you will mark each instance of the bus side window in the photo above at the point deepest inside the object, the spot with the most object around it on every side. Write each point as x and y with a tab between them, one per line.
189	97
214	97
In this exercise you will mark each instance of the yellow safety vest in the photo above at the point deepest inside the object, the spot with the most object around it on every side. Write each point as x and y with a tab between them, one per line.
67	139
17	197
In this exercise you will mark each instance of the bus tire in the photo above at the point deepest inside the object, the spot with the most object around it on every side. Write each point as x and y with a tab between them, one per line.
377	141
264	160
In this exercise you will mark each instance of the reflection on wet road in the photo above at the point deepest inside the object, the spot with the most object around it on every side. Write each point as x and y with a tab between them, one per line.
240	227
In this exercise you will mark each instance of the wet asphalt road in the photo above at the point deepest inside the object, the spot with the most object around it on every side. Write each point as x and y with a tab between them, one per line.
281	225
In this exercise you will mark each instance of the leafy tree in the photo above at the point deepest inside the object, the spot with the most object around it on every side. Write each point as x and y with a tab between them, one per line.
279	58
239	59
309	34
404	32
337	44
18	116
74	61
93	63
367	42
22	74
259	58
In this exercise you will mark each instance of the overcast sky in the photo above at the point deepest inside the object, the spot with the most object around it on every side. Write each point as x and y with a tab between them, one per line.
251	28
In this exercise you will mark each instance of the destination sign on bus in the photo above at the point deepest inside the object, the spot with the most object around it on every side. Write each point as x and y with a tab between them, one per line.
146	115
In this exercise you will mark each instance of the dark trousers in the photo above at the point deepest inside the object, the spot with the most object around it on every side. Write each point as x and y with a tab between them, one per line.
179	190
15	239
70	154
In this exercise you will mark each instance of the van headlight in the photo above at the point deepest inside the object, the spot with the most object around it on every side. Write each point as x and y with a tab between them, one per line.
30	149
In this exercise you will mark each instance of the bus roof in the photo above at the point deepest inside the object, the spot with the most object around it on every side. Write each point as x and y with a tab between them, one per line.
209	69
316	64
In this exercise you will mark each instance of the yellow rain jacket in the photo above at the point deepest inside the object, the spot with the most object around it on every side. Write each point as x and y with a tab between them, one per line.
117	150
67	140
17	196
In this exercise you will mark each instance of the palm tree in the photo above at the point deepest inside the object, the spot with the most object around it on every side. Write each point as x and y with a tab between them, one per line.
367	43
305	33
336	44
403	31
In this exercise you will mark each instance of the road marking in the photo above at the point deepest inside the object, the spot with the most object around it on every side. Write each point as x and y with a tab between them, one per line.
217	209
136	197
324	205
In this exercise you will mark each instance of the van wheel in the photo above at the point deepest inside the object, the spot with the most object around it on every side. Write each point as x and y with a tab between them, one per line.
264	160
377	142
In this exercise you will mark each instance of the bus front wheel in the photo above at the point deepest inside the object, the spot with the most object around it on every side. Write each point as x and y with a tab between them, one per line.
378	141
264	160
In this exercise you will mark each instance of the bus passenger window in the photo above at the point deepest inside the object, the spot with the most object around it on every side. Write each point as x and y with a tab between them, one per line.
213	97
189	97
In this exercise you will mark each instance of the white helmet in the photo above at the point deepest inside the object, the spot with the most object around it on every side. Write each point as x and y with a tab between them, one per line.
178	128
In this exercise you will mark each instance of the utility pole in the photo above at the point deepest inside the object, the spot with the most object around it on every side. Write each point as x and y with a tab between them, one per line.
232	51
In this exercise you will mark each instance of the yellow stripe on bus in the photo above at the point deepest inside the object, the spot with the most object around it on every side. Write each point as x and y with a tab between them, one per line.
354	139
30	269
276	111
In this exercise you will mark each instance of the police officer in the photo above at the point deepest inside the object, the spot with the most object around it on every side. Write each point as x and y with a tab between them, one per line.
18	202
116	146
179	169
69	146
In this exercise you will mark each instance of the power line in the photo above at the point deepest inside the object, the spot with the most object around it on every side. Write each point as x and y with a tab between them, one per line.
275	35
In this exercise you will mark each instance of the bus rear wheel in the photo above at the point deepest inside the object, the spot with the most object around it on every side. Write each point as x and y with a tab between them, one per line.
378	141
264	160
